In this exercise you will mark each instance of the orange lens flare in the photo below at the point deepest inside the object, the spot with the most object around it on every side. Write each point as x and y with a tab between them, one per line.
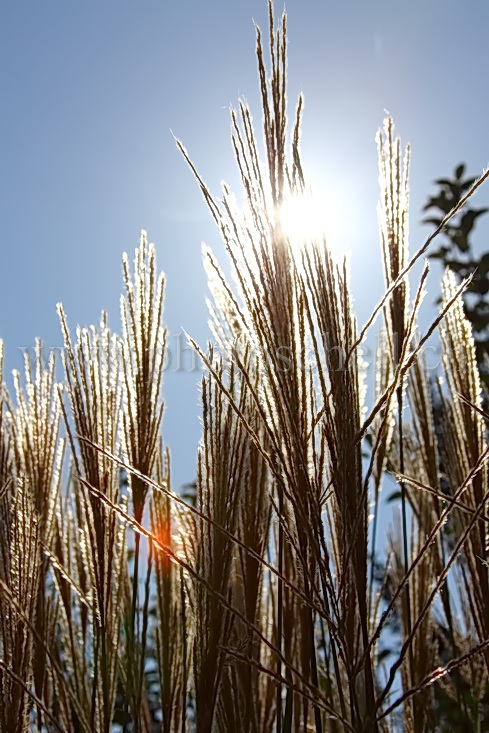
163	536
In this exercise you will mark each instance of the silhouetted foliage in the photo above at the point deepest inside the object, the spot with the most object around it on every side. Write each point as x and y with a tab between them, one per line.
456	252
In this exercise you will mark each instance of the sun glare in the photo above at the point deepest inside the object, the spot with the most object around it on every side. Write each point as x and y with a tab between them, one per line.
309	217
302	218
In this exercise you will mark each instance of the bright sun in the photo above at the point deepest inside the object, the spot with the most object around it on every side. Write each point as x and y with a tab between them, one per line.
308	217
302	218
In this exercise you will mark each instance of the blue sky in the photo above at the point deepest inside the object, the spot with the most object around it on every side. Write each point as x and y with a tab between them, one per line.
92	90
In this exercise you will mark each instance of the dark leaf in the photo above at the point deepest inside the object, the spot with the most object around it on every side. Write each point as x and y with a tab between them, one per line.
479	285
443	182
383	654
440	202
459	171
468	183
469	218
436	222
483	266
461	241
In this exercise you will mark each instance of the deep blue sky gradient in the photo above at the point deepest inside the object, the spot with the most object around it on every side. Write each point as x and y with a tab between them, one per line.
92	90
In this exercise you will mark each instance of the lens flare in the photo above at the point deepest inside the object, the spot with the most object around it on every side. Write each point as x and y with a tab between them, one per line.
164	538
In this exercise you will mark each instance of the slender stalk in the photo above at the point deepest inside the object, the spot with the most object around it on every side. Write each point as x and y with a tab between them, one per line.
147	591
134	640
184	654
278	724
405	547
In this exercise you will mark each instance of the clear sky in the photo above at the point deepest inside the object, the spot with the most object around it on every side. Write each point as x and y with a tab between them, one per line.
91	91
